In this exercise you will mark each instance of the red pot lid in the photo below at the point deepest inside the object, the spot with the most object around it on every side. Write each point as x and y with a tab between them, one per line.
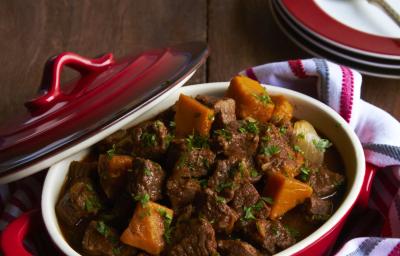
107	91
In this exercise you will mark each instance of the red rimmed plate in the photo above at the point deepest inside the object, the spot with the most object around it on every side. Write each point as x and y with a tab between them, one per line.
312	16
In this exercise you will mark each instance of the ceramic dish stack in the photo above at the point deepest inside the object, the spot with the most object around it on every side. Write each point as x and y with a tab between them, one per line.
358	34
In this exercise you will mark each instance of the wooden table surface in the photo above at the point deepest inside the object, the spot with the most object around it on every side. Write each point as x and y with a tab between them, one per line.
240	33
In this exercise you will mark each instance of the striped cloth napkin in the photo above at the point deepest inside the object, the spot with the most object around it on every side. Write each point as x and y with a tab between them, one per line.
339	87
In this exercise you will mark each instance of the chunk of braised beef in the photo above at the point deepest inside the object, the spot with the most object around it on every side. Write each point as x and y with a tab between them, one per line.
150	140
224	109
237	248
248	203
317	209
113	170
216	211
146	177
276	154
239	139
79	201
119	142
195	237
325	182
190	158
229	175
269	235
102	240
79	169
181	191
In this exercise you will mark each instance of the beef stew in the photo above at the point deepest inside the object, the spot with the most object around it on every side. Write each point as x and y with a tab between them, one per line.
224	188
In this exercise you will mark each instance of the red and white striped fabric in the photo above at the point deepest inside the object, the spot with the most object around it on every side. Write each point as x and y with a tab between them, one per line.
340	88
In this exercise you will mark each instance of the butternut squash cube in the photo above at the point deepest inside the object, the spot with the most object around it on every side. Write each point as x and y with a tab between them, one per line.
149	228
285	192
192	117
283	111
252	100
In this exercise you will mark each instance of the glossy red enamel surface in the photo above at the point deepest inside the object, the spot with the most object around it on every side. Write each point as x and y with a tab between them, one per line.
308	13
107	90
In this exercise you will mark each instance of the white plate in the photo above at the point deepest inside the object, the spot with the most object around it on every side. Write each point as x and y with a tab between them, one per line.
316	49
353	25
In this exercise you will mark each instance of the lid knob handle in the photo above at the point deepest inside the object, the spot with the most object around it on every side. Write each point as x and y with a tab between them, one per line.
50	87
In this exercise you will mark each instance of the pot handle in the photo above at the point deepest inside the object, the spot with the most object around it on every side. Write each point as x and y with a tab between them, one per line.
50	86
12	238
363	197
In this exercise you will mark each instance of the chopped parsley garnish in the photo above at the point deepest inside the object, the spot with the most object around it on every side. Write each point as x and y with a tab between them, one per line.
147	171
172	124
102	228
250	127
301	136
265	139
116	250
91	204
254	173
220	199
148	139
167	225
197	141
298	149
322	144
264	98
270	150
304	173
142	198
241	168
283	130
224	133
223	186
210	117
249	211
158	123
111	152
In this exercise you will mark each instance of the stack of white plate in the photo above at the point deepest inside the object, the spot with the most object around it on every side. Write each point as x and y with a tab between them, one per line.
354	33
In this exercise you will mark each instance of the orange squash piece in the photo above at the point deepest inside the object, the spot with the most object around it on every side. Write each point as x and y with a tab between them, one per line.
147	227
192	117
285	192
252	100
283	111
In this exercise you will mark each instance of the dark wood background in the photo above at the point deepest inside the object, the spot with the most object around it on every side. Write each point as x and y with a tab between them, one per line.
240	33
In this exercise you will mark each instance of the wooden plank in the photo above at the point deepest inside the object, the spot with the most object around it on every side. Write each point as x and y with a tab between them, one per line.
32	31
242	34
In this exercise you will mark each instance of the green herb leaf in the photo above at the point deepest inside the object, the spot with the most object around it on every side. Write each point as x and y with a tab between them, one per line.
270	150
148	139
292	231
111	152
224	133
254	173
222	186
242	130
251	127
248	213
301	136
102	228
298	149
264	98
147	171
167	224
197	141
304	173
172	124
142	198
220	200
322	144
283	130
